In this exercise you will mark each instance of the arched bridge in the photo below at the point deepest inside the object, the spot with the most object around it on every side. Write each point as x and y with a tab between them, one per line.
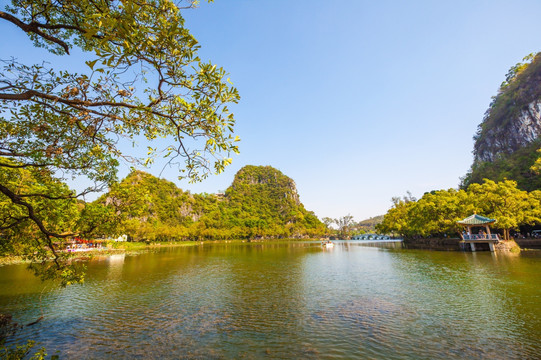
371	237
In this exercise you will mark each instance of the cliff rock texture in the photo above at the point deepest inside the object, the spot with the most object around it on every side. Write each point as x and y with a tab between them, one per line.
520	131
510	133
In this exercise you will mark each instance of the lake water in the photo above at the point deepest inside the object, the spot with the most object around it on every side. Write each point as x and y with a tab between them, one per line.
287	301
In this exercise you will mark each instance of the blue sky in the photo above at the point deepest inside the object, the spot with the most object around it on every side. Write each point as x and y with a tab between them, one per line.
358	101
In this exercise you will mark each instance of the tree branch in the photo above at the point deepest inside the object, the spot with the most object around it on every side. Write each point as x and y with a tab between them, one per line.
16	199
17	222
33	28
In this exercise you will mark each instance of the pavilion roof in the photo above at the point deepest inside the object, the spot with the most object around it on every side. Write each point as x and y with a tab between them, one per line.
476	220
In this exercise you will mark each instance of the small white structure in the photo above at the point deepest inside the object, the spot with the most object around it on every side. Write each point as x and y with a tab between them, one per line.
122	237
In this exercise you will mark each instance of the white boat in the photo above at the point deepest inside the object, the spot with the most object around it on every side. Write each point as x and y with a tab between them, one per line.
328	244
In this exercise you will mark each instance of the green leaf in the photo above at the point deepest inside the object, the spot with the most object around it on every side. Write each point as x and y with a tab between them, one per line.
91	64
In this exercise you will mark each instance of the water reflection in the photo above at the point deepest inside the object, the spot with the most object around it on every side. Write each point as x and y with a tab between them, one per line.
287	300
382	244
468	299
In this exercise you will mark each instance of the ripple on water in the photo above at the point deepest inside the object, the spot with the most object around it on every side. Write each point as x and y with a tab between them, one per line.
288	302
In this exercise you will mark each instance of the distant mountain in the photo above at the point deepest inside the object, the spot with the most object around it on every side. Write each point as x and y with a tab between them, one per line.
261	203
369	225
509	135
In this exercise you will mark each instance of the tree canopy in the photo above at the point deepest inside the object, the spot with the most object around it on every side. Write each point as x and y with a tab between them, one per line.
261	203
437	212
143	79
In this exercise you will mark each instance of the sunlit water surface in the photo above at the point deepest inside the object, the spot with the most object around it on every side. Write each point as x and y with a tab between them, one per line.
285	301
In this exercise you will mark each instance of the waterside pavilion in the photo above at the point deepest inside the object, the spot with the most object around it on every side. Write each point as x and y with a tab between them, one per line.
481	238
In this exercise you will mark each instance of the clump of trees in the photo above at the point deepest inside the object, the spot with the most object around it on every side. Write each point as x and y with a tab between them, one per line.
522	166
437	212
345	226
141	78
261	203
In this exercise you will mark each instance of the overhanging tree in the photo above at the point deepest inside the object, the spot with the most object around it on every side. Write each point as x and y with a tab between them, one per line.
143	78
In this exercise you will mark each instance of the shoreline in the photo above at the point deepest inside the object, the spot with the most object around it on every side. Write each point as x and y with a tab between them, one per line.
453	244
128	248
136	248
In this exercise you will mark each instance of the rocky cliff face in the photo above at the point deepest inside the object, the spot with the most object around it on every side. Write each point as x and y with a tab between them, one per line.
520	131
507	139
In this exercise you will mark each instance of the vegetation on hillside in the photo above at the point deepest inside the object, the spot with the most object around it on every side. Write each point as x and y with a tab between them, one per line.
261	203
521	87
519	166
369	225
497	136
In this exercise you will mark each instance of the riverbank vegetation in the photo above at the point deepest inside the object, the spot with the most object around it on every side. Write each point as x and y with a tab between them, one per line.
437	212
140	79
261	203
503	182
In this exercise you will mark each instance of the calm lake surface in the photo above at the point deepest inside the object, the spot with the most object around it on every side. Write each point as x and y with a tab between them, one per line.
285	301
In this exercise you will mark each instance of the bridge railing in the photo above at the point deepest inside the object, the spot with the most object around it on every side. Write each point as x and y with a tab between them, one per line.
371	237
480	237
